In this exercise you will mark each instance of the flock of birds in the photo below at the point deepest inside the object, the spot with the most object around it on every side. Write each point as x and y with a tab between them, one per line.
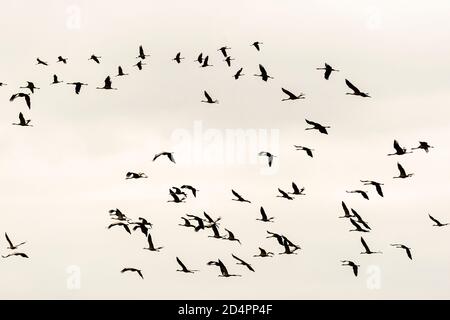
204	222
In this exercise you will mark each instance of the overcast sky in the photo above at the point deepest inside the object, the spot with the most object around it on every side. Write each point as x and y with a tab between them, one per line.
60	177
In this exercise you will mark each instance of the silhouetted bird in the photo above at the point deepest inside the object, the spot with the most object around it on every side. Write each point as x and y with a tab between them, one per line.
231	236
191	188
438	223
346	211
215	231
18	254
175	197
287	247
277	236
39	61
56	80
78	86
356	91
351	264
95	58
135	175
30	85
328	69
208	98
376	184
357	226
12	246
317	126
257	44
142	55
264	76
263	253
183	267
398	150
205	63
268	155
120	72
224	50
238	74
238	197
308	150
151	247
402	246
361	192
243	263
366	248
264	217
139	272
284	194
223	269
402	172
61	59
22	121
187	223
292	96
169	155
360	220
178	58
107	85
139	65
3	84
423	145
118	215
228	61
200	224
26	96
199	58
296	190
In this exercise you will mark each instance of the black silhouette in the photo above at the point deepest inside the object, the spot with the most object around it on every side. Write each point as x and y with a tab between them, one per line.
403	174
292	96
268	155
78	86
208	98
238	74
26	96
297	191
120	224
239	197
264	217
134	175
328	69
243	263
223	269
139	272
11	245
308	150
264	76
361	192
256	45
56	80
183	267
224	50
351	264
151	247
423	145
398	150
263	253
169	155
95	58
376	184
178	58
120	72
284	194
356	91
22	121
366	248
142	55
317	126
402	246
438	223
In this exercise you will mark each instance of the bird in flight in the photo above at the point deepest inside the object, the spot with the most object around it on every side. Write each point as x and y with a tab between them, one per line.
277	236
351	264
187	223
296	190
205	63
328	69
151	247
238	74
95	58
263	253
208	98
39	61
178	58
402	246
107	85
223	269
287	247
398	150
143	225
199	58
317	126
284	194
360	220
191	188
346	211
238	197
231	236
224	50
26	96
292	96
424	146
56	80
228	60
356	91
361	192
78	86
307	150
134	175
120	224
403	174
22	121
376	184
3	84
257	44
11	245
139	65
264	217
200	224
30	85
366	248
139	272
268	155
142	55
357	226
438	223
183	267
264	76
61	59
175	197
19	254
243	263
118	215
169	155
120	72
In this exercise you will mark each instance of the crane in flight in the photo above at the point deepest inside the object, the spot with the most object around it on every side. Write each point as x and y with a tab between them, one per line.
26	96
306	149
424	146
228	60
18	254
292	96
402	246
208	98
138	271
12	246
361	192
238	197
135	175
351	264
359	219
205	62
268	155
402	172
243	263
120	224
95	58
438	223
178	58
31	86
224	50
39	61
139	65
78	86
367	249
346	211
231	236
223	269
328	69
284	194
264	75
169	155
356	91
257	44
183	267
61	59
120	72
376	184
191	188
56	80
22	121
398	150
142	54
151	247
357	226
296	190
263	253
264	217
107	85
317	126
199	58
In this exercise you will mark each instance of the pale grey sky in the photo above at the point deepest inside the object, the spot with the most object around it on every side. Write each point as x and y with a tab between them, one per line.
60	177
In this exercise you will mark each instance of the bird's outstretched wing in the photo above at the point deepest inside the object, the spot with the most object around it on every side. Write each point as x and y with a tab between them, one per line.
401	170
290	94
263	213
295	188
379	190
344	207
363	242
351	86
7	239
181	264
434	219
